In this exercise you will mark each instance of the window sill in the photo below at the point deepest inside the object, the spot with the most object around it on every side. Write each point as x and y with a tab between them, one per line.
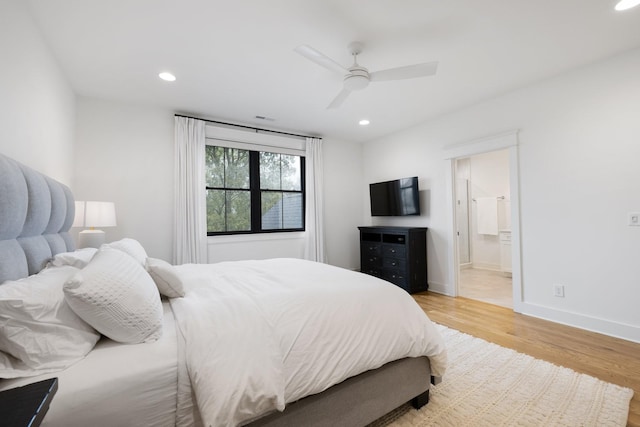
239	238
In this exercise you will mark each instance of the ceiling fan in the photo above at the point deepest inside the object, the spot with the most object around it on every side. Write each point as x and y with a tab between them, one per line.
358	77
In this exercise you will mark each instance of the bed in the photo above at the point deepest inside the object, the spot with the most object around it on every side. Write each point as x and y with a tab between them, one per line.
344	348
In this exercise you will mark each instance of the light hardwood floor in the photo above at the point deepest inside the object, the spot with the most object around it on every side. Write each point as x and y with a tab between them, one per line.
486	285
610	359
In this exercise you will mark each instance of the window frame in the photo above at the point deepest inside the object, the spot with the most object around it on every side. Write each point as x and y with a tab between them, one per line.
254	187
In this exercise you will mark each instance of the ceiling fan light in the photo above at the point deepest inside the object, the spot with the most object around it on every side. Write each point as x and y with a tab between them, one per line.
627	4
364	122
356	82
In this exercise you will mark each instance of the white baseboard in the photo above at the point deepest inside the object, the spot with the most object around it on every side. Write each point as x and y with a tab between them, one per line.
483	266
594	324
576	320
439	288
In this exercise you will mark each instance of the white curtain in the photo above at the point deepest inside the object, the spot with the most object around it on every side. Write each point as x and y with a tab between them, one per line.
190	193
314	223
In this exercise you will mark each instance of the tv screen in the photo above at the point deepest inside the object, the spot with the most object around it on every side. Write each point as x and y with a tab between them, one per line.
395	198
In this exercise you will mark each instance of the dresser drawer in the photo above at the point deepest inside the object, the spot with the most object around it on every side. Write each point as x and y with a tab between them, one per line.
370	260
397	251
396	277
394	263
369	248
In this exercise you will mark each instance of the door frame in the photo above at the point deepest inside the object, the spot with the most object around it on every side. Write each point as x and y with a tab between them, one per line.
506	140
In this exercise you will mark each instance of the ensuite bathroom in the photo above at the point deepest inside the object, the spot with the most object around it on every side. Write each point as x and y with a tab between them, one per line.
483	220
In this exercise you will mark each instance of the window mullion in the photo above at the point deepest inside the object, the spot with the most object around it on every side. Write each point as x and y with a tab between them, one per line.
226	201
254	185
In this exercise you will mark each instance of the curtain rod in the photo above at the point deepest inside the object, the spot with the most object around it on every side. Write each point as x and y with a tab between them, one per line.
246	127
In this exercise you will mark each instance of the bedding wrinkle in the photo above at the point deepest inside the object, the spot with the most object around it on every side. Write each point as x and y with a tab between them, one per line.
363	340
260	334
232	380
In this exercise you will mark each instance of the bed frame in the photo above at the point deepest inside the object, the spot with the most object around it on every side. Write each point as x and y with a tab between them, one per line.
36	213
359	400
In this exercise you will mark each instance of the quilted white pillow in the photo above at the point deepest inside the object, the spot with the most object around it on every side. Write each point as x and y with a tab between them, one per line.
131	247
116	296
164	274
39	332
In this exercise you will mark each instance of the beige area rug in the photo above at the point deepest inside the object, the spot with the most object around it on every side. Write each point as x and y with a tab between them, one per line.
489	385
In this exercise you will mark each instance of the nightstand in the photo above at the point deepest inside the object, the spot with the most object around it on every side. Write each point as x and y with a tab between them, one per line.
26	406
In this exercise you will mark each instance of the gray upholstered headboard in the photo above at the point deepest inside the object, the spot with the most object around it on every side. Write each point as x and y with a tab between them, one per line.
36	213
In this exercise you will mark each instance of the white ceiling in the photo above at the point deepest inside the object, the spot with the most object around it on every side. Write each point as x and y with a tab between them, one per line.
235	60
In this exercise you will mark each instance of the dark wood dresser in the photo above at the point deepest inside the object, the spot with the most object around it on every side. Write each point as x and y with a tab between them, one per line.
395	254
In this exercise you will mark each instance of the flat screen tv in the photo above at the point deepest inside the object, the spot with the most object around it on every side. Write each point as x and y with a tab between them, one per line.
395	198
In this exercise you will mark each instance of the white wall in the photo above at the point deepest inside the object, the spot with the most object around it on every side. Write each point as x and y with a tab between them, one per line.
37	105
343	207
125	154
255	246
578	180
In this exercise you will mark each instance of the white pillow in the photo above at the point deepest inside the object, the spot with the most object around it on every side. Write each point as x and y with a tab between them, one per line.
131	247
115	295
79	258
38	330
164	274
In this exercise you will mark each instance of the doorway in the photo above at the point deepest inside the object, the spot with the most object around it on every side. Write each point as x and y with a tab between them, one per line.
483	227
480	256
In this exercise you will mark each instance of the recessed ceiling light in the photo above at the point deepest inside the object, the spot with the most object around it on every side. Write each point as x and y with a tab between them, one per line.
627	4
168	77
364	122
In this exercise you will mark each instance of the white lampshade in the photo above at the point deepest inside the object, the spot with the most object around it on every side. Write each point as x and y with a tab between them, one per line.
100	214
78	219
93	214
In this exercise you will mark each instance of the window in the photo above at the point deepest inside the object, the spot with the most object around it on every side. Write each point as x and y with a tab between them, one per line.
253	191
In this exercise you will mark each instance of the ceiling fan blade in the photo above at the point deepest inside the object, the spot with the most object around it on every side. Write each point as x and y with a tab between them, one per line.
338	100
407	72
321	59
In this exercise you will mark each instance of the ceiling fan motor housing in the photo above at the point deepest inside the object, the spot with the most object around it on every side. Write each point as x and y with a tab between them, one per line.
357	79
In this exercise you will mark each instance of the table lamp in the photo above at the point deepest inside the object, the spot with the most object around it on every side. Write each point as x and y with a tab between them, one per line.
92	215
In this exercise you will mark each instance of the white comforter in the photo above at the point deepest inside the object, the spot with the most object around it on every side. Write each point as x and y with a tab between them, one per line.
260	334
